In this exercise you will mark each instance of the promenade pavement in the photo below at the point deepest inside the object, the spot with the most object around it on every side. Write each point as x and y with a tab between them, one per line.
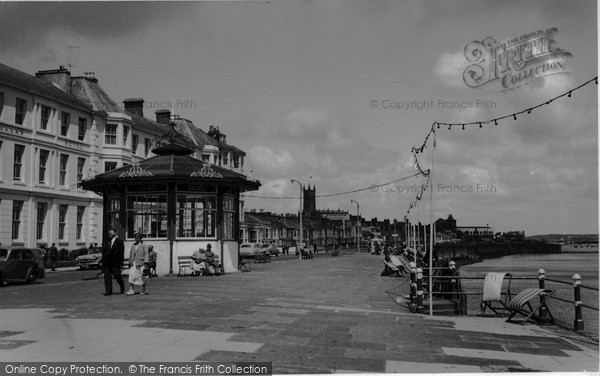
325	315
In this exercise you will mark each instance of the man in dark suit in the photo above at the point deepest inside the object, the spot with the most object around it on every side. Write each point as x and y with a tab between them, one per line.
112	260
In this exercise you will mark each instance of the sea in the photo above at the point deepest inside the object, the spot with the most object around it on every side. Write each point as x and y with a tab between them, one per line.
559	266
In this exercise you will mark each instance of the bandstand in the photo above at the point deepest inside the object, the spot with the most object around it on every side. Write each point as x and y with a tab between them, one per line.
179	203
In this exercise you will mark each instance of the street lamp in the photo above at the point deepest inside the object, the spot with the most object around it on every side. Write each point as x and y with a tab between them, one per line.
301	209
358	224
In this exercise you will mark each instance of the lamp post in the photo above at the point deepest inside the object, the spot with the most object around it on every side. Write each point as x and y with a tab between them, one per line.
357	224
301	209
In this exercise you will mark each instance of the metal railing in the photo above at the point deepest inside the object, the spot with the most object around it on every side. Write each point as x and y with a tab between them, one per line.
454	289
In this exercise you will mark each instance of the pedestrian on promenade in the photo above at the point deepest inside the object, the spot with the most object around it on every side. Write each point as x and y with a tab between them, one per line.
112	259
152	260
44	255
53	256
138	256
314	247
212	261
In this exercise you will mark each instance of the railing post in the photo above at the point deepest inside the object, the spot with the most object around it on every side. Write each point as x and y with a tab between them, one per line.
542	283
578	323
420	291
413	283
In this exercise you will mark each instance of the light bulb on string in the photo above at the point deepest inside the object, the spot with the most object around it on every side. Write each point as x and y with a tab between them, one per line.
569	94
463	127
479	124
529	111
495	121
515	116
438	124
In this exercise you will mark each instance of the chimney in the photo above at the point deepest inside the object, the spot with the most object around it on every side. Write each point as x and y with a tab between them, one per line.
163	116
135	106
61	77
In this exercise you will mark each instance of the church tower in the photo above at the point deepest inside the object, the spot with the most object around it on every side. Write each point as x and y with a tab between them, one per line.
310	204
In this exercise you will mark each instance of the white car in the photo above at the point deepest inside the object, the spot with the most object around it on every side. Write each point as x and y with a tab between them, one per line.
249	249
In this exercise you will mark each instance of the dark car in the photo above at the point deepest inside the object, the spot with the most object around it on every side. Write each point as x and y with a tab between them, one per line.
20	263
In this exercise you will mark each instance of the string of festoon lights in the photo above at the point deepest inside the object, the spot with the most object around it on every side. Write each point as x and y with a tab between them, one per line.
478	124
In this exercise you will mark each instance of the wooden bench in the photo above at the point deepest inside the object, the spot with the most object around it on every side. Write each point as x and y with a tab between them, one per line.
263	257
185	263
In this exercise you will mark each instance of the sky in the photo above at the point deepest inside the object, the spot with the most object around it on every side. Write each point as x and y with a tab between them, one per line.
336	93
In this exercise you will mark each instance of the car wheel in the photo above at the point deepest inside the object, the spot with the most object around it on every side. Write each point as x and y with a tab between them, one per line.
31	275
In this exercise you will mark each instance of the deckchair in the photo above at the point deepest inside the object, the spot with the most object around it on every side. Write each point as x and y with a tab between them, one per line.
393	268
521	304
492	292
398	264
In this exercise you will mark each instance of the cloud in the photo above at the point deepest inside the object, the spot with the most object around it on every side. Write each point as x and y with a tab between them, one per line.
269	160
450	68
93	20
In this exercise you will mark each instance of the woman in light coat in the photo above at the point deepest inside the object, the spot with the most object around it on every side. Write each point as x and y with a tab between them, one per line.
138	256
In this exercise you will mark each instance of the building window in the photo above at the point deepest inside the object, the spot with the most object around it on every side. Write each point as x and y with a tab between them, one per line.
110	137
20	110
114	208
146	147
134	143
80	214
45	117
206	158
109	166
225	159
228	215
148	215
236	162
80	167
16	219
42	208
125	135
65	121
62	219
18	161
196	216
43	162
82	129
64	160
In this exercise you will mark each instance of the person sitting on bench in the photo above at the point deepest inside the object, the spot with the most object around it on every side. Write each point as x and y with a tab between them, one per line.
212	261
200	259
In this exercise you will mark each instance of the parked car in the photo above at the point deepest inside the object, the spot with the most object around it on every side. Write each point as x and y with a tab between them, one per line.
20	263
249	249
273	250
92	260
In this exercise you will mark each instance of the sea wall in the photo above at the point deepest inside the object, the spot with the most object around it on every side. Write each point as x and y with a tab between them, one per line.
492	250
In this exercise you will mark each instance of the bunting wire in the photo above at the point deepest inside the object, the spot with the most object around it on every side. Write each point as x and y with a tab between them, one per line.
371	188
419	150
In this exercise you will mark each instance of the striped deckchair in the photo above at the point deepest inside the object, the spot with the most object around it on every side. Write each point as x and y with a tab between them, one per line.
521	304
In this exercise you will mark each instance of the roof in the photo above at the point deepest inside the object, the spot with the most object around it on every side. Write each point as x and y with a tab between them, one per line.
142	123
21	80
202	138
169	168
88	91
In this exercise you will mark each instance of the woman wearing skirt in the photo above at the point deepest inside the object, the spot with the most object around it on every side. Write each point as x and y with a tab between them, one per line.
138	256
